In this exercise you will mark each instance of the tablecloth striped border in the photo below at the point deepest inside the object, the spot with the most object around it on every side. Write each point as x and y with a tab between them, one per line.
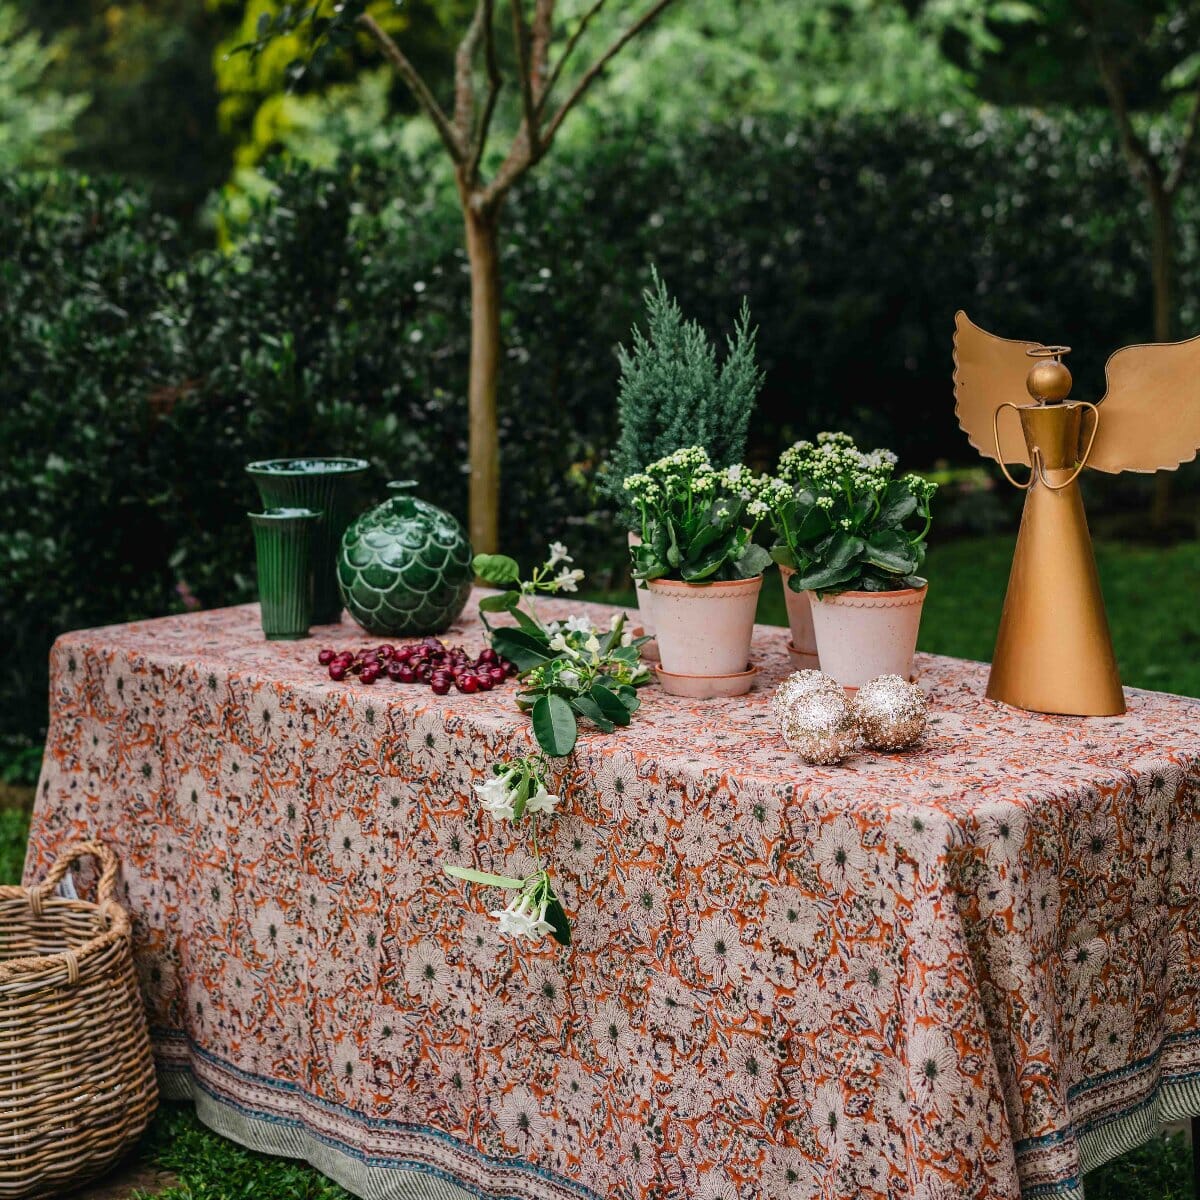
189	1072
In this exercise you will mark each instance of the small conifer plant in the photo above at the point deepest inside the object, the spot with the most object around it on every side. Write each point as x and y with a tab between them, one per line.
673	393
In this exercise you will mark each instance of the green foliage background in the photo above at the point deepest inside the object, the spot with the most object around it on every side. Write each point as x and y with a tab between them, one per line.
140	374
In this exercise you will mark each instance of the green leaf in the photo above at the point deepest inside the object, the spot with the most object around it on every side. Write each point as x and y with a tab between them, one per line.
524	649
711	561
558	918
897	505
554	726
502	603
754	560
585	706
497	569
890	551
470	875
610	705
824	578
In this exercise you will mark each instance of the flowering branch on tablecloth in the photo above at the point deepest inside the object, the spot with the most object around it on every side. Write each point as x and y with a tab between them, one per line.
516	791
568	670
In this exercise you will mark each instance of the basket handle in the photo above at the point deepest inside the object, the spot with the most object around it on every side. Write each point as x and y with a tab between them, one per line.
105	888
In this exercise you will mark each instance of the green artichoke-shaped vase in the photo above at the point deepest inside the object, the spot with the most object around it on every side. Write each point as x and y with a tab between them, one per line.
405	567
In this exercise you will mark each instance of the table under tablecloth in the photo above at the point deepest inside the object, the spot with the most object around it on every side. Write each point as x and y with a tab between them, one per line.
968	970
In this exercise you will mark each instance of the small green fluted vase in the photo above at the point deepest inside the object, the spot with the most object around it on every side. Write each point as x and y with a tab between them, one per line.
283	540
327	486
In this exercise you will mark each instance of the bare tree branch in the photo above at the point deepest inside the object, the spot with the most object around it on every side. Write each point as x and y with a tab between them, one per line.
1141	161
416	85
528	108
596	69
1186	145
464	87
543	31
568	50
479	143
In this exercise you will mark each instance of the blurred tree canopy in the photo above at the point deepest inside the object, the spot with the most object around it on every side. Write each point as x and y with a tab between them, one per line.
35	116
265	105
147	66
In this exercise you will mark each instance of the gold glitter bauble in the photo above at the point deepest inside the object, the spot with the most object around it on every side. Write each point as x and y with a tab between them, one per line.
818	723
801	683
890	713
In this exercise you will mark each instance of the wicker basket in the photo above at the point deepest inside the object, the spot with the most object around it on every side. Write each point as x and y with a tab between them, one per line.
76	1076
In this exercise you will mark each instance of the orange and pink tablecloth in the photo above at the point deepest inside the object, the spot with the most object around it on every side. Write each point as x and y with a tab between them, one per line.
967	971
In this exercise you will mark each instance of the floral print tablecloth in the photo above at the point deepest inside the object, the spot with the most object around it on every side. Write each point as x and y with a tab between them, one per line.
970	970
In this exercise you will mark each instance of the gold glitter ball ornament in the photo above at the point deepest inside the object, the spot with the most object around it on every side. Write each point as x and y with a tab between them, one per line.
801	683
818	724
890	713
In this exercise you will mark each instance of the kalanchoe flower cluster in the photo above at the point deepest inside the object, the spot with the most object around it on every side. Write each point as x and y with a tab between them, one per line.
697	522
843	521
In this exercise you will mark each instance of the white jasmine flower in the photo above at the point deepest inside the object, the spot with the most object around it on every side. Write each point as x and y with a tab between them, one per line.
569	678
520	919
580	624
495	798
559	641
568	581
592	645
558	554
541	801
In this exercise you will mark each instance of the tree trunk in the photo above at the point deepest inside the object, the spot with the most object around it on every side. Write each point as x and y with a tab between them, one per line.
483	253
1162	251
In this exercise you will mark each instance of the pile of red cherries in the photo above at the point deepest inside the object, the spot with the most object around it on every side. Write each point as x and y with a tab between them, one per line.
429	661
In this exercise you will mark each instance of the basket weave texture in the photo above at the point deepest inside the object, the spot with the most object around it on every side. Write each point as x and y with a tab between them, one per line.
77	1082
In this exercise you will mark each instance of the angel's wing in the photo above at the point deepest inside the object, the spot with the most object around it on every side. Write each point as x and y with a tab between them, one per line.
1150	414
988	370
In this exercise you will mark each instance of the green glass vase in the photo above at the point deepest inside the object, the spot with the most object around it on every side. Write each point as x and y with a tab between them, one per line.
327	486
283	542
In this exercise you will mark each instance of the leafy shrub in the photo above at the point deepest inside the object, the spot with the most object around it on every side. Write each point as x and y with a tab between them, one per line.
138	377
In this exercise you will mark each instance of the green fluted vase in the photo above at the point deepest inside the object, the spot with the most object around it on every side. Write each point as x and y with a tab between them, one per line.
327	486
283	541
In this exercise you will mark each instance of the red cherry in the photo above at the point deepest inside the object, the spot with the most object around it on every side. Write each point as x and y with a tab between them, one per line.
440	687
510	668
467	684
489	656
497	675
407	675
393	671
485	682
325	657
337	672
386	650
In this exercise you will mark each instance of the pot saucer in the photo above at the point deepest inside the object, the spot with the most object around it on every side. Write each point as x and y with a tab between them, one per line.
802	661
706	687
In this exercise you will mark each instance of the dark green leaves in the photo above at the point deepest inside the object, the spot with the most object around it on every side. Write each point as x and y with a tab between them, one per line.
554	725
523	648
497	569
558	918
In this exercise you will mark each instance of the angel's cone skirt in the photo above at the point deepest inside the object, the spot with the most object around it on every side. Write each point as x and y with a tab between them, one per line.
1053	652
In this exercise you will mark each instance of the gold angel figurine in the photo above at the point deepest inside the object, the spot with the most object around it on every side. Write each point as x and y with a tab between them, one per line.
1053	650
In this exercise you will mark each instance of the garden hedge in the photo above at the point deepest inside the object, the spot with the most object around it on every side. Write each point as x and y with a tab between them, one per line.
137	376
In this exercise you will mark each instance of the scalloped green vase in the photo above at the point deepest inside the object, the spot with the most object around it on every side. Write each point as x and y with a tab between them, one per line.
405	568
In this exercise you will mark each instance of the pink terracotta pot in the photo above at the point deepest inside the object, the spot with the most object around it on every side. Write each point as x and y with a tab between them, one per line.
650	648
803	648
864	634
704	628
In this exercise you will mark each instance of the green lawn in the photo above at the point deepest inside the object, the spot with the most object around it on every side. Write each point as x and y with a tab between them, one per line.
1154	605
